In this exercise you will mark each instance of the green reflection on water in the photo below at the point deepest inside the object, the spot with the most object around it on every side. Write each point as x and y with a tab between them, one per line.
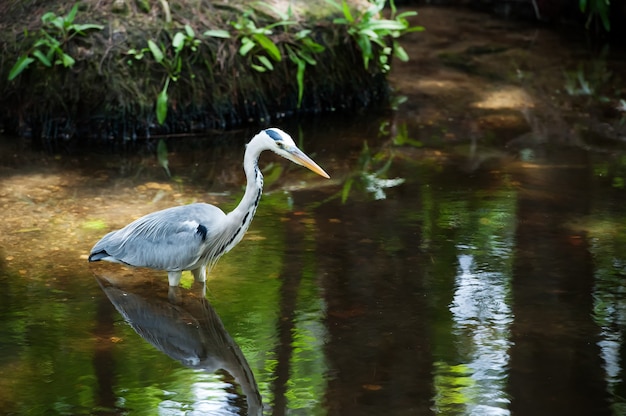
46	343
244	290
471	336
250	308
307	382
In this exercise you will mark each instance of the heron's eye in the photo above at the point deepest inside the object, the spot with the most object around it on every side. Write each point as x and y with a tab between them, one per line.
280	145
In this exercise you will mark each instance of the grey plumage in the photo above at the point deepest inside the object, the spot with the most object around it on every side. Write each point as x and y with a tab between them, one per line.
193	237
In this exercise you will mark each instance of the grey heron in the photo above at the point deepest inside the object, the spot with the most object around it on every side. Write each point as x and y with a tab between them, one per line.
193	237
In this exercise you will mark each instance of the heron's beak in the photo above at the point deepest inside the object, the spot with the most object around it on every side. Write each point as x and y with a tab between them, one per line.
297	156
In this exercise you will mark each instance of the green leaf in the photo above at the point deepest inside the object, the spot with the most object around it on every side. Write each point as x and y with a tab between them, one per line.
22	63
392	5
163	157
346	11
42	58
156	52
161	104
67	60
72	14
369	33
400	53
269	46
86	26
366	49
312	45
217	33
307	57
415	29
386	25
266	62
176	69
346	190
267	29
603	11
178	42
300	79
41	42
258	68
246	46
303	34
47	17
340	21
58	22
409	13
189	31
134	52
52	51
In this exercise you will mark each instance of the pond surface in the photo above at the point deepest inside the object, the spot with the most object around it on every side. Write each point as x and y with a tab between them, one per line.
467	257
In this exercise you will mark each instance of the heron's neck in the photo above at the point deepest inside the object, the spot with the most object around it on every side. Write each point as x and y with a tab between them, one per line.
241	216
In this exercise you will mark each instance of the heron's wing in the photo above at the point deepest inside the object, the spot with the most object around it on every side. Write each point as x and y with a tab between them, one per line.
172	239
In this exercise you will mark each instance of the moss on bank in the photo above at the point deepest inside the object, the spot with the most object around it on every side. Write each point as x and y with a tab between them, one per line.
110	94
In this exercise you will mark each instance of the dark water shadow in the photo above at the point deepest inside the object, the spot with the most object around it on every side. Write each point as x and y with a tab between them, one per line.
182	324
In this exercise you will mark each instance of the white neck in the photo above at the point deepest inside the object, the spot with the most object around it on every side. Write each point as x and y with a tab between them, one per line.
239	219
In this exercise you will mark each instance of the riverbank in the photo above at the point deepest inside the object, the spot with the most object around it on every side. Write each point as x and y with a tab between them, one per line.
125	70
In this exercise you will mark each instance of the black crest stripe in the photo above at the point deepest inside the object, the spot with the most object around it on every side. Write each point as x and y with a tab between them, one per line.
273	134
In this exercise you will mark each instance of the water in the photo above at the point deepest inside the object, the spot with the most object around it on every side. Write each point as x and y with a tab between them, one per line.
468	269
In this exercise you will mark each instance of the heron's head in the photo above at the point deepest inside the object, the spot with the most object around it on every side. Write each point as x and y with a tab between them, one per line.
282	144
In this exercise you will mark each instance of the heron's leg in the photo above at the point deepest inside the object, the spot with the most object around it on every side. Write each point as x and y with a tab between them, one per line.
199	288
199	274
174	278
174	295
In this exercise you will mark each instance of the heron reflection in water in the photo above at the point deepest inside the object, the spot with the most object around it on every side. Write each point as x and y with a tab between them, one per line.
188	330
193	237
